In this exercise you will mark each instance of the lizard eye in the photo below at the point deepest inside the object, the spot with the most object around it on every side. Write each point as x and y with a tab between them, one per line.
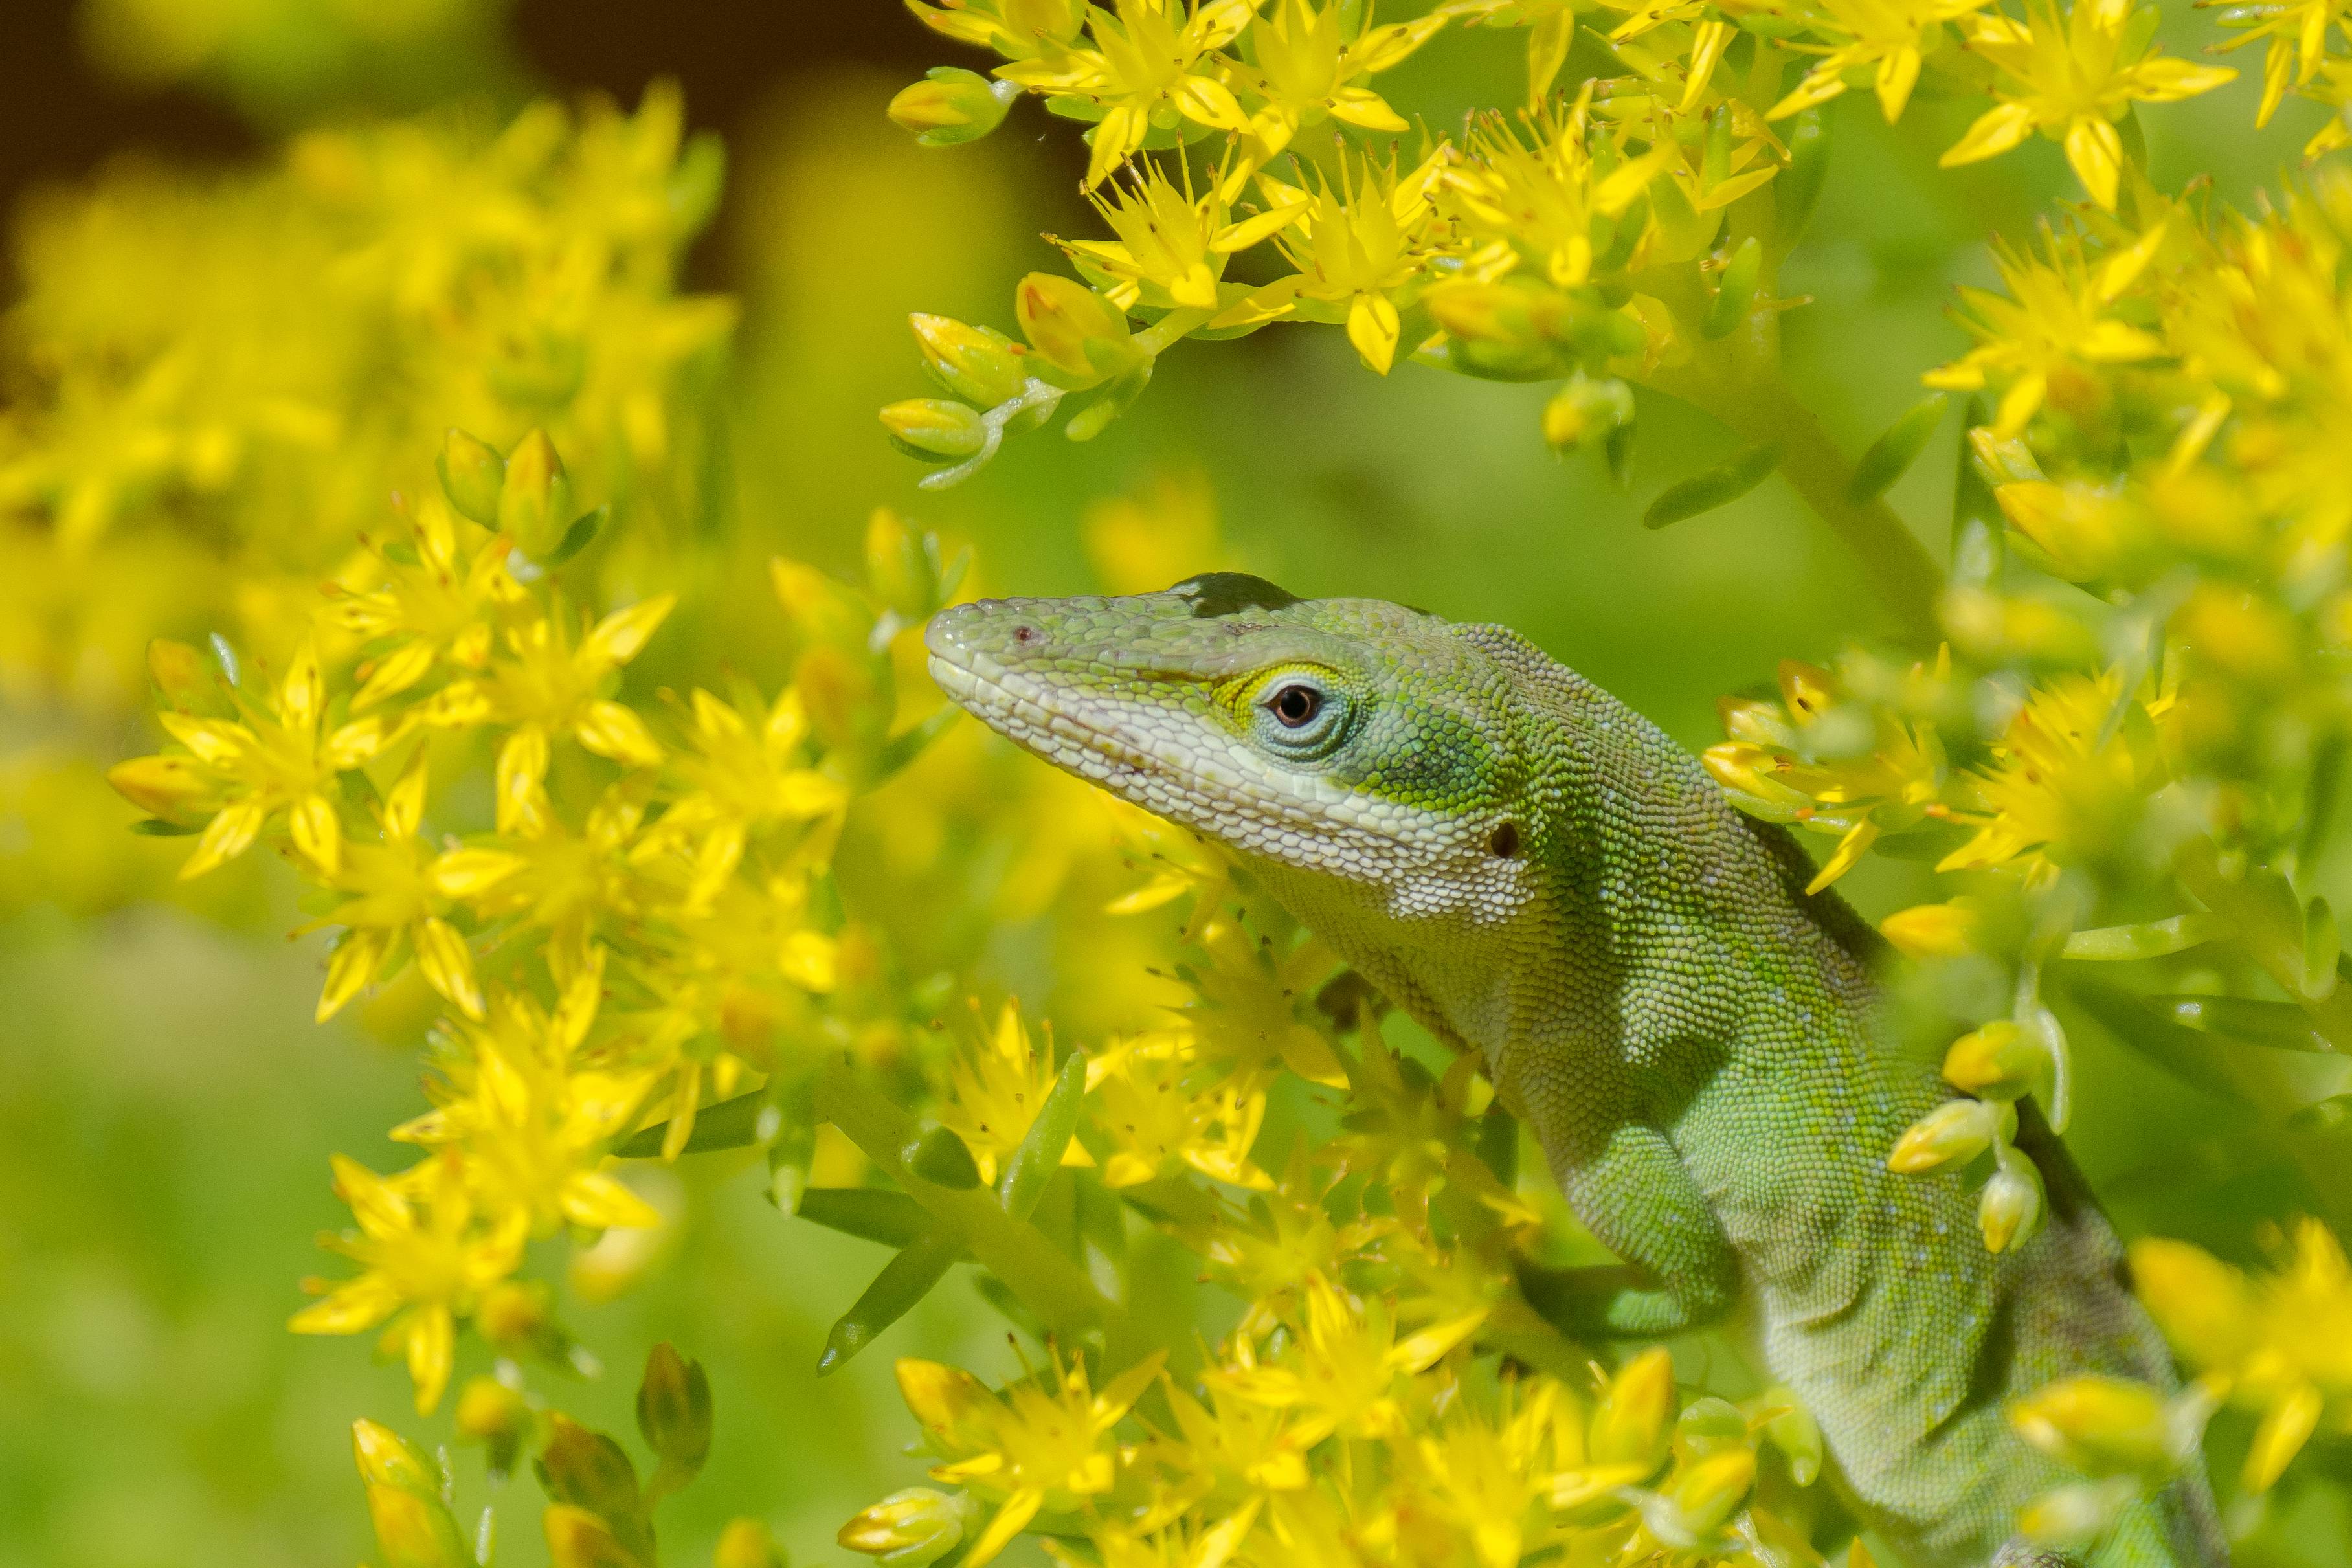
1298	717
1295	706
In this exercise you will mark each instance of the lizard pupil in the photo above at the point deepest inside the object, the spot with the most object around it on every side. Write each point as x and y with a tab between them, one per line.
1296	705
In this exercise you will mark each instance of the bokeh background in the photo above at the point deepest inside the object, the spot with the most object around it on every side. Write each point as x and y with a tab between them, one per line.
166	1105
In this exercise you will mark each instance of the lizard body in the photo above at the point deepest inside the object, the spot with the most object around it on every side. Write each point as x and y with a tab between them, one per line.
1537	873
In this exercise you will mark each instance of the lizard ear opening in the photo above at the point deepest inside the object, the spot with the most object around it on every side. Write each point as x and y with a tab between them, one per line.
1505	842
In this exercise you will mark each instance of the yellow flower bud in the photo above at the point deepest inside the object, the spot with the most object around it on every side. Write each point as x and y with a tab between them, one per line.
1631	1426
472	473
846	705
178	672
2100	1425
1756	723
1927	931
1999	1061
825	613
1808	690
1711	1490
1586	407
674	1412
2250	637
1709	1426
981	366
940	1396
535	504
414	1529
488	1409
935	428
912	1528
951	105
578	1539
1793	1431
2073	1517
1074	328
2011	1208
176	789
1486	312
385	1458
513	1313
747	1543
1945	1138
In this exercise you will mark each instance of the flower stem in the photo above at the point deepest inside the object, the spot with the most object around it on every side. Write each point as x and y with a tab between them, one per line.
1016	1252
1761	406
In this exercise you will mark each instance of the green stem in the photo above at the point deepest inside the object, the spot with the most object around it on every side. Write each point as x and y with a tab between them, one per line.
1158	337
2272	936
1015	1251
2275	945
1737	378
1760	405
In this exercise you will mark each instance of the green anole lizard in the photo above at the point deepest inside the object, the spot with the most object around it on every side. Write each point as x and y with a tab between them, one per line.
1538	873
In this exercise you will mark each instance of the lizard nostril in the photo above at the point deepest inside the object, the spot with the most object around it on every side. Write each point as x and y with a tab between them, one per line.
1024	634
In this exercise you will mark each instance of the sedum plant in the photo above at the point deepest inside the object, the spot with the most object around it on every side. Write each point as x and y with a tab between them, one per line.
462	657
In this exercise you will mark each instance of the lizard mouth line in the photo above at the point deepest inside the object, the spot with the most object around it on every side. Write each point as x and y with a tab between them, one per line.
1061	731
995	703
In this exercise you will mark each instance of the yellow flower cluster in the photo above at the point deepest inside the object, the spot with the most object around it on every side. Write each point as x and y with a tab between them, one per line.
1620	233
2122	757
638	931
2280	1343
1353	1415
1431	1461
215	381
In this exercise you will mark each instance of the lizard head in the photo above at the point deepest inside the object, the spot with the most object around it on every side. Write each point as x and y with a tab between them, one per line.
1345	741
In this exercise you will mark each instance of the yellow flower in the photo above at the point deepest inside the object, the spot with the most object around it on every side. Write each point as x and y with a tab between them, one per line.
996	1086
441	605
1892	35
1031	1447
533	1120
1355	244
2060	786
1927	931
274	761
429	1266
1140	543
1017	29
393	898
2296	28
1341	1371
1306	69
2069	79
1158	1126
2282	1343
568	883
1766	772
1238	1447
2055	326
1150	69
1546	196
1247	1013
745	774
548	688
1172	246
1490	1478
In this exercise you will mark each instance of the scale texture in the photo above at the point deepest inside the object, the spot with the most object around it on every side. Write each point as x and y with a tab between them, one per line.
1538	873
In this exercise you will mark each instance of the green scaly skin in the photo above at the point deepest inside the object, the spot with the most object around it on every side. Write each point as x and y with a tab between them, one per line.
1537	873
